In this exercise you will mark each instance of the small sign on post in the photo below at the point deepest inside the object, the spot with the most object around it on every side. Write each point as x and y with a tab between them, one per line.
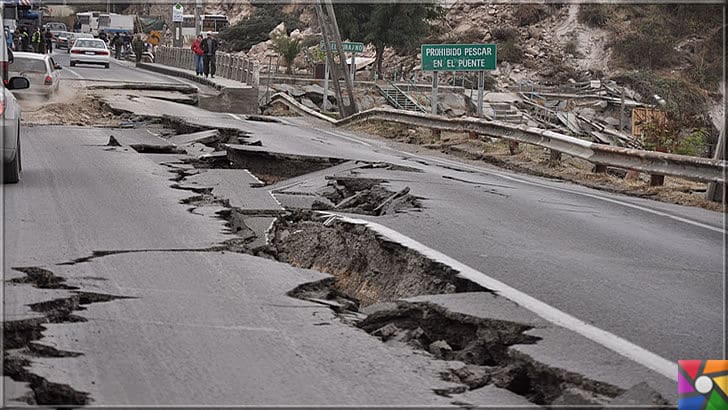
178	13
348	47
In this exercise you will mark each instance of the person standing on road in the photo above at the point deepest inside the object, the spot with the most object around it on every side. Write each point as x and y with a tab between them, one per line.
24	40
197	49
116	43
209	48
48	41
36	40
138	45
103	36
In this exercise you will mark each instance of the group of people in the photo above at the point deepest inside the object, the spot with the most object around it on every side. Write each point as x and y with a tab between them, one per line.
38	41
120	43
205	50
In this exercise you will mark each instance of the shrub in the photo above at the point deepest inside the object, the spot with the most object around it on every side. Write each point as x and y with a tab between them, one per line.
288	48
527	14
668	135
505	34
681	97
593	15
571	47
648	47
510	51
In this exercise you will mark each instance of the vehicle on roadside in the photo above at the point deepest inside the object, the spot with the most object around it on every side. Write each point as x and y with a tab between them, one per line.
90	51
10	117
213	24
40	69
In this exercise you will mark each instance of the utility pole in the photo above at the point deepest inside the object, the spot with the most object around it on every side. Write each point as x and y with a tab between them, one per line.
330	32
197	17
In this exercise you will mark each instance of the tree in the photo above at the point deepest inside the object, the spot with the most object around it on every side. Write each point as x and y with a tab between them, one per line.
288	48
399	25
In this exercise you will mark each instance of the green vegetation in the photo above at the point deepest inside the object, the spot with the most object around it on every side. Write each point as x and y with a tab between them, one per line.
650	46
683	99
527	14
402	26
256	27
288	48
668	135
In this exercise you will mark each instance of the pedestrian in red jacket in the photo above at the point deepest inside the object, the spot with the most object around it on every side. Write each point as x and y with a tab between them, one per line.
197	49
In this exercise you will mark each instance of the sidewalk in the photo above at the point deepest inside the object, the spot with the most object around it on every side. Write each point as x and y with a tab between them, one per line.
218	83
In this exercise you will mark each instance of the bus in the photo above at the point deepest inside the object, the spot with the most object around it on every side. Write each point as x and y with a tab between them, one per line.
87	22
213	24
188	26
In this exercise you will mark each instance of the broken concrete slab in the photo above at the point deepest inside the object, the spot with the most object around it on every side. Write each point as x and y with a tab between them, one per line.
182	88
202	137
235	186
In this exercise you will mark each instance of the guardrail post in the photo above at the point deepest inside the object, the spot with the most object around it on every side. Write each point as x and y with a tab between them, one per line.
554	158
657	180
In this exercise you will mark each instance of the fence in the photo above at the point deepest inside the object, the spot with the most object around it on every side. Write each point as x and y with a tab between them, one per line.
228	66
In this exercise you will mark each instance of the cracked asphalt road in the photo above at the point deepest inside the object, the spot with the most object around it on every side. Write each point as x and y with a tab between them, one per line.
204	325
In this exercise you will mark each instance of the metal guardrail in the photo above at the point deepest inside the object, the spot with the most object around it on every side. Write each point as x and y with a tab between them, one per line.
228	66
703	169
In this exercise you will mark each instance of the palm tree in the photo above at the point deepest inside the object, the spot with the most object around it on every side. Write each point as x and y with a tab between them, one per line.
288	48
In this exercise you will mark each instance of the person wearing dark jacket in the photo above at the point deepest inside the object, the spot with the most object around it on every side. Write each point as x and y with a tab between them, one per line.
48	41
209	48
116	42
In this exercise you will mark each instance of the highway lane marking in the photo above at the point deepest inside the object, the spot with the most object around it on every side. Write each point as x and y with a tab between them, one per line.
594	196
235	116
609	340
461	165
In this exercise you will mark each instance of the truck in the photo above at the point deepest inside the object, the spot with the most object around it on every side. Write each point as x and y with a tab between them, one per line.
116	23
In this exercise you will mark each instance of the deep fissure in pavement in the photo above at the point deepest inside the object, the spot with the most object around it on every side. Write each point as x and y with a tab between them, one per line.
272	167
366	267
368	273
367	196
484	345
21	336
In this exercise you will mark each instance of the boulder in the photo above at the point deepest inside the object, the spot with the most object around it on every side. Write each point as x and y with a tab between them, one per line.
309	104
296	35
278	30
440	349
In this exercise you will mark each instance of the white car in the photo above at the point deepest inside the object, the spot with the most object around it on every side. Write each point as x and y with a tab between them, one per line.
40	69
10	116
90	51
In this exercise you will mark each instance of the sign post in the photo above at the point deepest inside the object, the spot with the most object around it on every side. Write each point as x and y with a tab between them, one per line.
177	17
481	86
458	57
326	86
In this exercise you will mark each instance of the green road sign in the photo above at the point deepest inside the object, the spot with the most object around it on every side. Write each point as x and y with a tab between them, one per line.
458	57
348	47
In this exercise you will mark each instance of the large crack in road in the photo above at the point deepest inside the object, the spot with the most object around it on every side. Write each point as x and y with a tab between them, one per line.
369	278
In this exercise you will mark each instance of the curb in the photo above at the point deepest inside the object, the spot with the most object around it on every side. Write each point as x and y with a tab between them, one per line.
179	73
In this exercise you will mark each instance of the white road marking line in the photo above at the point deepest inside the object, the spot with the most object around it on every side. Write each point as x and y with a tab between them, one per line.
609	340
235	116
348	138
594	196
